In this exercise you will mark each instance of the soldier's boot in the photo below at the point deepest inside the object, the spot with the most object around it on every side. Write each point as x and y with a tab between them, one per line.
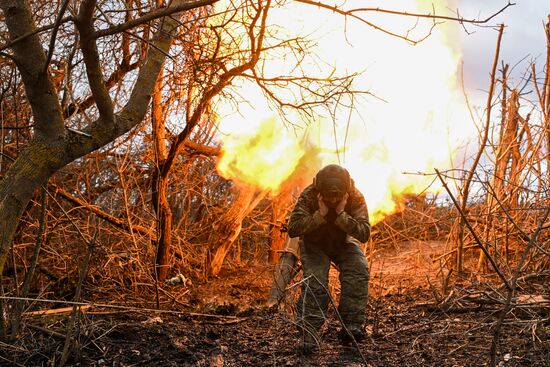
351	333
308	343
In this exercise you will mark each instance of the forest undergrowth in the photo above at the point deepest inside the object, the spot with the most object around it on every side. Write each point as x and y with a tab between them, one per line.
420	313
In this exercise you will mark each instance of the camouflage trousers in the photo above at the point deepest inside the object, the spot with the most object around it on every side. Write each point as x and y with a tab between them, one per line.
354	284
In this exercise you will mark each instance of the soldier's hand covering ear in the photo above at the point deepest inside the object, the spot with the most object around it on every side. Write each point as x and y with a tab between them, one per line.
342	204
323	208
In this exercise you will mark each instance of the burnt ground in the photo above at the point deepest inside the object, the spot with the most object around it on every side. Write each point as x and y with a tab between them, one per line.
417	316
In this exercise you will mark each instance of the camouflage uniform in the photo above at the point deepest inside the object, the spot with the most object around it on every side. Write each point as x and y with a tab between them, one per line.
336	238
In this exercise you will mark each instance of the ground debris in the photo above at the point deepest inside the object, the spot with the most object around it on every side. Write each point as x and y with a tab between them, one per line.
409	323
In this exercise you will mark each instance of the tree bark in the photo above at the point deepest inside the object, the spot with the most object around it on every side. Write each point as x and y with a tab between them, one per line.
228	227
545	100
483	143
279	212
506	176
164	228
159	186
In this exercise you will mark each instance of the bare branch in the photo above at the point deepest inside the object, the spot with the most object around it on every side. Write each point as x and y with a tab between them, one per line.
512	288
56	26
353	13
473	232
404	13
224	80
90	54
202	149
38	84
117	75
155	14
35	31
117	222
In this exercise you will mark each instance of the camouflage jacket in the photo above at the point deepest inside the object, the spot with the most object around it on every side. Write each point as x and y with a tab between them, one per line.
352	225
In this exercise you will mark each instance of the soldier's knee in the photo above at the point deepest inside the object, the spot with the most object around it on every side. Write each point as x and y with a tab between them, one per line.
359	271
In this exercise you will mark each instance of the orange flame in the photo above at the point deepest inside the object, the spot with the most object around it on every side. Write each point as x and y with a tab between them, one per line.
418	122
263	158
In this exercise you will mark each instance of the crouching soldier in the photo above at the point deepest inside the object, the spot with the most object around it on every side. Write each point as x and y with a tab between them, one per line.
332	220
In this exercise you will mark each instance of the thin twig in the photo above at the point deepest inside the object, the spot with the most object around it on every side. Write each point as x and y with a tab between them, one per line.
512	288
18	309
76	309
35	31
152	15
472	231
312	276
56	25
483	143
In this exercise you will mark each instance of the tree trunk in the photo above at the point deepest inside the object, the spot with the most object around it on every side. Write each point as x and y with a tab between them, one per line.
164	227
546	95
286	270
516	161
228	227
505	179
280	209
159	185
31	170
465	192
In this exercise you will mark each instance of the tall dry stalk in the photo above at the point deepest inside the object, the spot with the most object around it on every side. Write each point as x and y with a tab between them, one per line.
483	143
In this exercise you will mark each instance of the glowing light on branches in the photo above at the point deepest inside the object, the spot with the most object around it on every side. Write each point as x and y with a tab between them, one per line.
416	122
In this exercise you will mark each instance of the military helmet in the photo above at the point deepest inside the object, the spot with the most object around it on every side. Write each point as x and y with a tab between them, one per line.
333	180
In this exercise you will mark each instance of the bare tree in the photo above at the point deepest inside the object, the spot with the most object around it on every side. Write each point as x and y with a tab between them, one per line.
53	144
71	120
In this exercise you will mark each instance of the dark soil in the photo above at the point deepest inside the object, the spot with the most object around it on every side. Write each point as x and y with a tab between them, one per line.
224	323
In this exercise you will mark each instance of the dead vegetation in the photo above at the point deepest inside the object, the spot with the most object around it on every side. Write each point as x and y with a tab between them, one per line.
92	278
